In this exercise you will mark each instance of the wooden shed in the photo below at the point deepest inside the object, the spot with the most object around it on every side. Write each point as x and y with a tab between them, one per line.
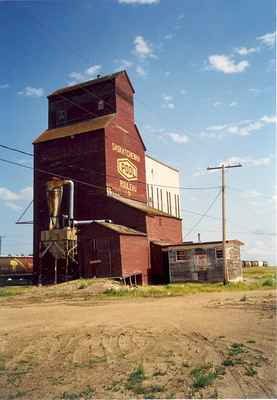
115	251
203	261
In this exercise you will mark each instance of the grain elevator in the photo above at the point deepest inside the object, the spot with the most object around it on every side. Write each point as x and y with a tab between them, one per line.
94	208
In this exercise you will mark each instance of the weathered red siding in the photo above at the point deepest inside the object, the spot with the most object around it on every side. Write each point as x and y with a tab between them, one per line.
164	228
135	256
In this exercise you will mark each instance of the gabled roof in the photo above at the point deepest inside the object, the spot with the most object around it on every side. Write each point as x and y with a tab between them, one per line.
122	229
91	82
140	206
89	125
140	137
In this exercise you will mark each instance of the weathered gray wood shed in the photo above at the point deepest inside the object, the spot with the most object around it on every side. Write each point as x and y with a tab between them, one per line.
203	261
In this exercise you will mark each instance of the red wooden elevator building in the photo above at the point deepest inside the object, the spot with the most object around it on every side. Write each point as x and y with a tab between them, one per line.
93	141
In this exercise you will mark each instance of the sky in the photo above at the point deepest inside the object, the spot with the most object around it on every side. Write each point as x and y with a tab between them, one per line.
204	74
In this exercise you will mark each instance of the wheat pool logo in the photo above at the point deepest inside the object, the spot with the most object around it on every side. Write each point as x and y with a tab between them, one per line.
127	169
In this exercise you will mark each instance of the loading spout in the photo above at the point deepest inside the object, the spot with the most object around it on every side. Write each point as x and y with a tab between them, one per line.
90	221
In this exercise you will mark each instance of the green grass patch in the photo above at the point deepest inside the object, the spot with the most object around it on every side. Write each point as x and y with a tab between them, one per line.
180	289
236	348
135	384
10	291
137	375
203	376
250	371
260	272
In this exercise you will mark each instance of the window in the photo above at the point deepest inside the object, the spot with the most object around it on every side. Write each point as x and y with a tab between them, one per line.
178	206
182	255
161	192
100	105
169	198
158	199
61	116
150	195
219	253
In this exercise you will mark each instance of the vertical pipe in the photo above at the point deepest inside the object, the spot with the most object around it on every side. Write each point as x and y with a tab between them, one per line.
71	200
224	224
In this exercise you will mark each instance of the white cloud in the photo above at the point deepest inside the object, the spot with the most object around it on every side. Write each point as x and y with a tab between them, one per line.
226	64
233	104
140	71
177	138
244	51
241	128
143	49
11	198
13	206
217	103
169	36
4	86
216	127
93	70
8	195
32	92
167	98
123	64
183	91
141	2
168	102
167	73
268	39
77	76
89	73
249	161
271	119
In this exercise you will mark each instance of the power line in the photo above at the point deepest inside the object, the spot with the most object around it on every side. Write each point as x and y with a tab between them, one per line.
203	215
140	182
17	150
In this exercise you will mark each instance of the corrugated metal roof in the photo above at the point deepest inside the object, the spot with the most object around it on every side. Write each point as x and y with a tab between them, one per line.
141	206
91	82
188	245
123	230
75	129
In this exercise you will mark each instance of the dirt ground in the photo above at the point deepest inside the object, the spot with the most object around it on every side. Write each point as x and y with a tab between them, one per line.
211	345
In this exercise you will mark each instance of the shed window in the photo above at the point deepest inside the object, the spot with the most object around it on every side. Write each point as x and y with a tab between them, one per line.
219	253
182	255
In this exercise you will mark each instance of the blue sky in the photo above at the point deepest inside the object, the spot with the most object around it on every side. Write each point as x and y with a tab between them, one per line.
204	74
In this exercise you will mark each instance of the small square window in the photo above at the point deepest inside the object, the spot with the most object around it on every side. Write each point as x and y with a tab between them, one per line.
101	105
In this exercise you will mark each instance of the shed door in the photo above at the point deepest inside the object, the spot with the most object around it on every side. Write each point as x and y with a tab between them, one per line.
100	258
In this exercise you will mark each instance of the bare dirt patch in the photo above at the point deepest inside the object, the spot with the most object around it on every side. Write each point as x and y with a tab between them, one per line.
203	345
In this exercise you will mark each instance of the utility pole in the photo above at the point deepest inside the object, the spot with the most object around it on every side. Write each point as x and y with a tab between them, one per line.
1	237
224	223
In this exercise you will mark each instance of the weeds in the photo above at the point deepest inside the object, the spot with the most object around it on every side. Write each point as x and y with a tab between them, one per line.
203	376
250	371
236	348
86	394
136	376
229	362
